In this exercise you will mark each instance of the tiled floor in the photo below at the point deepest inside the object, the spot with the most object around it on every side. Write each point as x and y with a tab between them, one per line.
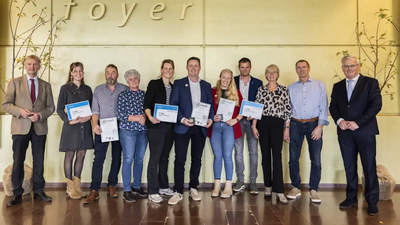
243	209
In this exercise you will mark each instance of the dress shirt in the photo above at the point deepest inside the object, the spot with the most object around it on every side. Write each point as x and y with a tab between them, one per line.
244	89
35	81
355	79
105	101
195	91
309	100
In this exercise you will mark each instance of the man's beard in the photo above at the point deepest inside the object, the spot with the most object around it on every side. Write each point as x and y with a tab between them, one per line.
111	81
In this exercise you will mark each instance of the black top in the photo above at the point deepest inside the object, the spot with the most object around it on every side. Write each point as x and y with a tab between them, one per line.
78	136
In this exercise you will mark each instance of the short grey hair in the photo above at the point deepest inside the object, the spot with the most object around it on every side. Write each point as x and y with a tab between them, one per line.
350	57
131	73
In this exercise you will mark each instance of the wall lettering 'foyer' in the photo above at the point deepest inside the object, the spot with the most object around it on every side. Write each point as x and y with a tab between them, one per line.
126	13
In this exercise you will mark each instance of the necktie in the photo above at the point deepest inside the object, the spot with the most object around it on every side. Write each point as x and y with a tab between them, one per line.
349	89
33	91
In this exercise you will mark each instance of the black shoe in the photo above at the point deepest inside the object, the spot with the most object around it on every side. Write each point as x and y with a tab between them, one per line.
140	192
128	197
346	204
14	200
372	209
42	197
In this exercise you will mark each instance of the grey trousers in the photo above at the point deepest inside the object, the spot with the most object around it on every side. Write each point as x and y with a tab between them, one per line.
252	144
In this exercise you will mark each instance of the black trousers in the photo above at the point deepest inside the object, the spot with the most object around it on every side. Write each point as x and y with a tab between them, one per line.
271	141
351	146
181	148
20	145
160	140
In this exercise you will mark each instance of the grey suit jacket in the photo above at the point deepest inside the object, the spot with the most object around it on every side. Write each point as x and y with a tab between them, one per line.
17	97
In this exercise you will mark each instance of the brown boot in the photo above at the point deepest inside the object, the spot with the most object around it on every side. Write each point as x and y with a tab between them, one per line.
112	192
77	185
71	191
93	196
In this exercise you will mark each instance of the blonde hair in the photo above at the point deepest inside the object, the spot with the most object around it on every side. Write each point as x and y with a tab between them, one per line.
231	91
272	66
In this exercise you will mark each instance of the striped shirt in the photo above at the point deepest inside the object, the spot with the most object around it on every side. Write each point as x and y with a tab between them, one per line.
105	101
168	90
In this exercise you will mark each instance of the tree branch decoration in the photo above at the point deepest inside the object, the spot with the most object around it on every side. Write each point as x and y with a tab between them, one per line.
379	55
22	44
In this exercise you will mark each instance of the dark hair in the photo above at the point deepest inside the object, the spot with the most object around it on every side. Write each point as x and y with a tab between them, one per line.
71	68
193	58
244	60
302	60
170	61
112	66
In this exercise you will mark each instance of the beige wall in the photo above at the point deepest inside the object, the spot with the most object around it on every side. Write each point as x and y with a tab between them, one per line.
220	33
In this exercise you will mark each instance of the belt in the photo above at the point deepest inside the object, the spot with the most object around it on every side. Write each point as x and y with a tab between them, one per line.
306	120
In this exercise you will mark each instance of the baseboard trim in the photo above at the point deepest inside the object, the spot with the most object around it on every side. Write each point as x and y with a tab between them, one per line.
323	186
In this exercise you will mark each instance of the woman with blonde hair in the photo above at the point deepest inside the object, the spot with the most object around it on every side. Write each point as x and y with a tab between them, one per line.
272	129
223	134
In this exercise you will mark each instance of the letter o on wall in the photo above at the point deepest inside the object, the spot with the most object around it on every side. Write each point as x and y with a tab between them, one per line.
102	11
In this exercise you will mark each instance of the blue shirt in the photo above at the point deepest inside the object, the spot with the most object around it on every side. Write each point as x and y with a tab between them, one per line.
309	100
130	103
105	101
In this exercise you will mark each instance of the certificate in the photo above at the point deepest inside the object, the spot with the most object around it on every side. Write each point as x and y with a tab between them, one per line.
81	109
166	113
251	109
109	129
200	114
225	108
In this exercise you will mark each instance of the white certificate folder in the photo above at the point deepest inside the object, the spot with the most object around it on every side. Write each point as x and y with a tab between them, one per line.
78	109
166	113
251	109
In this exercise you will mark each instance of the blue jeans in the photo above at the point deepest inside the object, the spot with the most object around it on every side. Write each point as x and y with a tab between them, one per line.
134	144
297	132
252	144
222	143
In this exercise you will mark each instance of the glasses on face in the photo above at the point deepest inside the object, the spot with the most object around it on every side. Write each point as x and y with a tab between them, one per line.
352	66
302	67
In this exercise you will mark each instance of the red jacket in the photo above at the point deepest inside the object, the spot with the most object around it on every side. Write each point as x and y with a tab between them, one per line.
236	128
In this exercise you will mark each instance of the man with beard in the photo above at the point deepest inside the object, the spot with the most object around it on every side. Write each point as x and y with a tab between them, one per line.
105	106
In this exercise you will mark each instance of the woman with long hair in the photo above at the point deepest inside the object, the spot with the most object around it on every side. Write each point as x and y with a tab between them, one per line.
224	132
76	136
160	134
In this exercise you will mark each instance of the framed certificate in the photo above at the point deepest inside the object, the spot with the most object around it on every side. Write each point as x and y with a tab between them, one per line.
78	109
251	109
225	109
200	114
166	113
109	129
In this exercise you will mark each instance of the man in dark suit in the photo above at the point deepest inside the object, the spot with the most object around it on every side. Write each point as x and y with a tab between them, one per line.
186	94
29	100
355	102
248	87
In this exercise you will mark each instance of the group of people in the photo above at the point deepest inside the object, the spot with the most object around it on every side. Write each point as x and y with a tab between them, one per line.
289	114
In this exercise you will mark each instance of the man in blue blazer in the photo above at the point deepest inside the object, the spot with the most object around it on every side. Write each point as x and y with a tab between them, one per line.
188	92
355	102
248	87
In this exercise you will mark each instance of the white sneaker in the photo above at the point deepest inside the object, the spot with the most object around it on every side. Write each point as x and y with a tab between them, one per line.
294	193
194	194
166	191
314	196
175	199
156	198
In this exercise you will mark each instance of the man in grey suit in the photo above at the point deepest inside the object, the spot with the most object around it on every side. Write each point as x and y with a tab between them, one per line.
29	100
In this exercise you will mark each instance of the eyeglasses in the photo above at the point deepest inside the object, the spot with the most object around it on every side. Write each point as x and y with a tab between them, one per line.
349	66
302	67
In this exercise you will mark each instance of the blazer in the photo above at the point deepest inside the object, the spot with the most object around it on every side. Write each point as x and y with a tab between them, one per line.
155	94
237	131
253	88
365	103
182	98
17	97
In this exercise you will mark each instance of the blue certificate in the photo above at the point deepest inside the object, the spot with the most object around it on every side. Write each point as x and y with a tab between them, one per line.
78	109
166	113
251	109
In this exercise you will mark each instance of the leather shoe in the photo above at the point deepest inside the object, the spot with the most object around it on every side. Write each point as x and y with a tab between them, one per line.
372	209
346	204
15	200
42	197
